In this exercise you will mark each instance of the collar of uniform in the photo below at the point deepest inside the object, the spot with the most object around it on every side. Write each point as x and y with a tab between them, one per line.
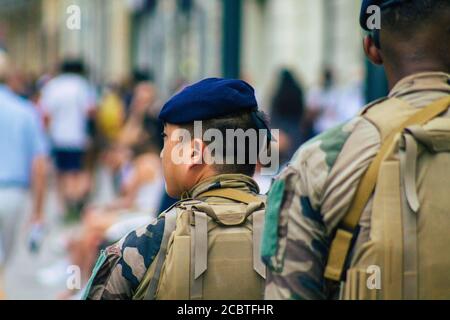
425	81
234	181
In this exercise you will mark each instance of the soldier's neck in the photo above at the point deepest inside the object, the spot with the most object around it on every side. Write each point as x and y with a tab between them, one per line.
202	175
398	71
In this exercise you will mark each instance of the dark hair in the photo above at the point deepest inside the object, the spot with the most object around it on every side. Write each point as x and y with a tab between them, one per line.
151	140
73	66
413	14
288	101
241	120
142	75
422	26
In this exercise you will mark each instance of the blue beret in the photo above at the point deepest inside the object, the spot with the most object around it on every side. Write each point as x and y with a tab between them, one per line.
207	99
383	4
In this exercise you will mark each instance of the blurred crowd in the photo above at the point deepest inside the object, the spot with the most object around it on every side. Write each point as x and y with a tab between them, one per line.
97	146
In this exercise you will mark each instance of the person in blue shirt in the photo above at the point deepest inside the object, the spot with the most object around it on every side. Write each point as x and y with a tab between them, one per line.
23	162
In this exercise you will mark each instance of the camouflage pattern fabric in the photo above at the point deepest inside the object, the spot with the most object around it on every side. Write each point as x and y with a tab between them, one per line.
313	194
125	263
122	266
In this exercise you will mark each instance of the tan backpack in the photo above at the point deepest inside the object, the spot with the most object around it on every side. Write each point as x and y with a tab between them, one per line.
407	255
210	250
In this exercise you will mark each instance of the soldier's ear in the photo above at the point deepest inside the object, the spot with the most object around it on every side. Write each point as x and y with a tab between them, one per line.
371	50
197	150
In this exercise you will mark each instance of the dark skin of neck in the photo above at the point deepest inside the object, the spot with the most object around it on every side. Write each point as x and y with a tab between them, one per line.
397	71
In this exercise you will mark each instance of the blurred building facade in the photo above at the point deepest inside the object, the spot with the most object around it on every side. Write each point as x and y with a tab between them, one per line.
37	36
304	36
182	40
179	40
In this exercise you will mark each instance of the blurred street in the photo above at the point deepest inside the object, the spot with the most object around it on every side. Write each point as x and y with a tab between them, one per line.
42	275
25	273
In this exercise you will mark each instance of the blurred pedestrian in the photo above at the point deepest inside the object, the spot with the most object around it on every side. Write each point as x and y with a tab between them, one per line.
142	123
110	116
23	164
323	102
139	75
287	113
69	102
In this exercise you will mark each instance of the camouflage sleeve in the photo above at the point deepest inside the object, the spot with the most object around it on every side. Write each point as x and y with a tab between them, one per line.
295	242
122	266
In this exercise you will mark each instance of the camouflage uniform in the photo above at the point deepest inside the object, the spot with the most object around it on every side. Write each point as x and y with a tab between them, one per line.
122	266
313	194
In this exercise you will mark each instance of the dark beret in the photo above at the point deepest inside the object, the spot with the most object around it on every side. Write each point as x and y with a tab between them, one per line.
207	99
383	4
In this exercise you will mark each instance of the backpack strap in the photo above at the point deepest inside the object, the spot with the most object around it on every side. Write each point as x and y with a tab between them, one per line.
199	253
408	165
169	228
342	241
410	206
258	224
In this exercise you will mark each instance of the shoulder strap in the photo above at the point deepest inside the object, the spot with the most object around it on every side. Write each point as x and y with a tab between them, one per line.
169	227
341	243
258	225
232	194
411	204
199	253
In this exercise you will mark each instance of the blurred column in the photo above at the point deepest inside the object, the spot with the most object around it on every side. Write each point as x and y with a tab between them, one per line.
329	25
231	43
20	21
70	40
348	54
119	41
254	42
211	10
50	19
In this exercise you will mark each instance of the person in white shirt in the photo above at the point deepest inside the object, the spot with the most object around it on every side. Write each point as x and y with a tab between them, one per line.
323	104
330	105
68	101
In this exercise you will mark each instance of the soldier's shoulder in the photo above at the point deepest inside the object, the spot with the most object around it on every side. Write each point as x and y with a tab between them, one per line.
121	266
313	162
324	149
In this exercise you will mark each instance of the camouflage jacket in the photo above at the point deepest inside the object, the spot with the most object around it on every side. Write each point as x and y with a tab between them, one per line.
312	195
122	266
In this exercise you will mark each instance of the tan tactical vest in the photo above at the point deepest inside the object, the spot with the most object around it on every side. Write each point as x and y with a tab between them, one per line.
210	250
407	255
